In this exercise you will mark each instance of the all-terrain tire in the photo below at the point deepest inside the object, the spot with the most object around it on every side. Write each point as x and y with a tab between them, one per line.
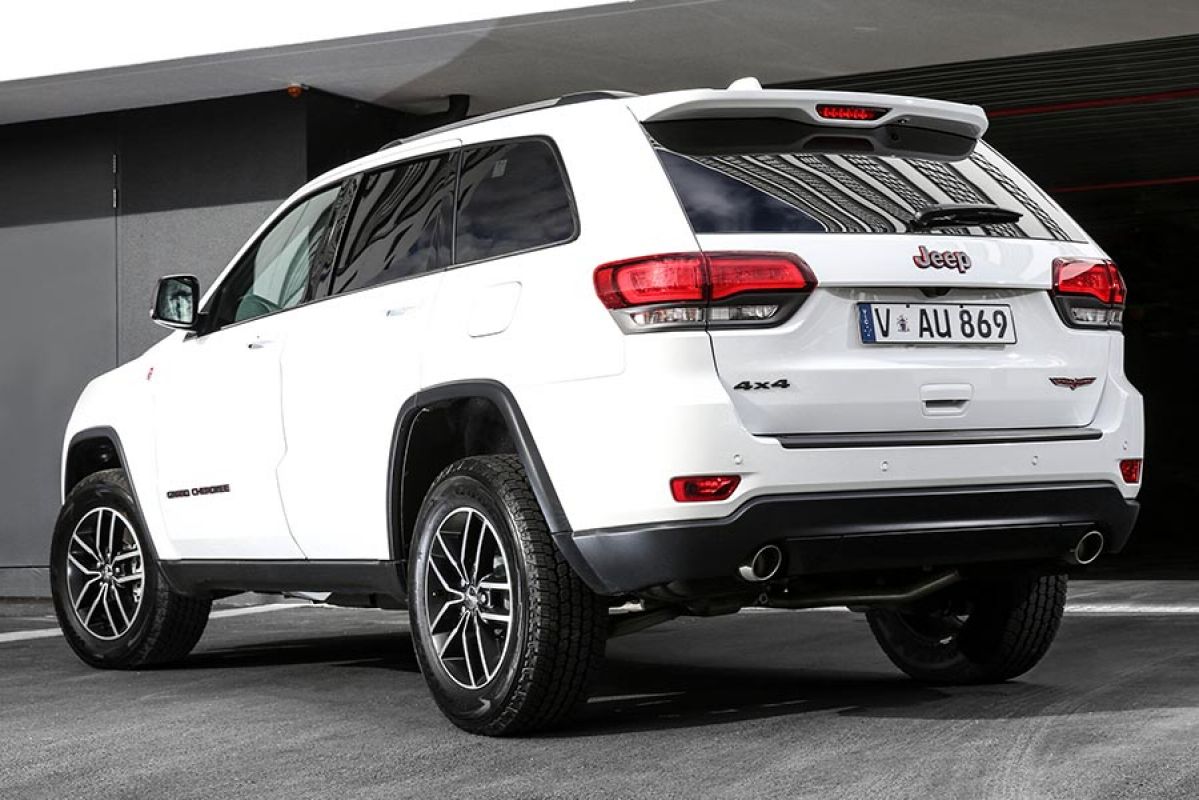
1009	627
541	664
163	627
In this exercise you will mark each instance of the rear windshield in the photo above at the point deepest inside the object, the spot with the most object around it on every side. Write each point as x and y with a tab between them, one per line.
853	192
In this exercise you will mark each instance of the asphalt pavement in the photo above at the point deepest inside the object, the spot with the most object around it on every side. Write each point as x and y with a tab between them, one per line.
312	702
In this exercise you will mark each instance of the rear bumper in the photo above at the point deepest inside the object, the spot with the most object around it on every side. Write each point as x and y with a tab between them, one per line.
857	532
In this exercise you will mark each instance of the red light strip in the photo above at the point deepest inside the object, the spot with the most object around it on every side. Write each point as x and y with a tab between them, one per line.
1099	187
1099	102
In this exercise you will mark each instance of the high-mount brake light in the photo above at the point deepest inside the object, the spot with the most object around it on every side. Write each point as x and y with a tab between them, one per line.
703	488
1089	292
695	290
856	113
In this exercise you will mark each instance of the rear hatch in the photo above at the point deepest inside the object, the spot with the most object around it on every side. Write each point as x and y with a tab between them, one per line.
934	260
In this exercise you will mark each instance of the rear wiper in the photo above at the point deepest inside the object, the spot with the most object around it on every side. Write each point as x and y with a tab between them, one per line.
951	214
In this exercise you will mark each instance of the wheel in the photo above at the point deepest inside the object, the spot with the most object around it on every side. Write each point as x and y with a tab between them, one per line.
505	633
115	608
984	632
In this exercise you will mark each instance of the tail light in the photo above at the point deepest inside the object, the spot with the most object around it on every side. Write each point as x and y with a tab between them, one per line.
698	290
704	488
1088	292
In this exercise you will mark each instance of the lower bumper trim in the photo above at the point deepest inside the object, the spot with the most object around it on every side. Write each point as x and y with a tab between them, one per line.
849	532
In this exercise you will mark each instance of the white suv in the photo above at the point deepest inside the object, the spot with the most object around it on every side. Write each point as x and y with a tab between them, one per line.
566	371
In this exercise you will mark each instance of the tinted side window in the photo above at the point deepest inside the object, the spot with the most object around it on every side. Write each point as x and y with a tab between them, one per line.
402	224
274	272
512	197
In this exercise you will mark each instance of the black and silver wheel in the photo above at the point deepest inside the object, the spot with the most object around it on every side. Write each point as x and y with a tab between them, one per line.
984	631
114	607
468	598
105	573
506	634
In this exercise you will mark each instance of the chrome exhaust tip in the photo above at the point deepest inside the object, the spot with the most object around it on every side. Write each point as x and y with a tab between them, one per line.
1089	548
763	566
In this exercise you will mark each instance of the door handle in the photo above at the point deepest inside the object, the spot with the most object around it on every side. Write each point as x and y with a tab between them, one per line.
260	344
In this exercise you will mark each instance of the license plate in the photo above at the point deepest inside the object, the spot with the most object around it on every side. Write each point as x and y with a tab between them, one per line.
936	323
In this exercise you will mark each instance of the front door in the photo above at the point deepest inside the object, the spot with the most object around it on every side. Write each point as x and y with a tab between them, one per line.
218	400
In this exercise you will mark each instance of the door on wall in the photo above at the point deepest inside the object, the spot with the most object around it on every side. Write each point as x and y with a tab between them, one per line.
57	312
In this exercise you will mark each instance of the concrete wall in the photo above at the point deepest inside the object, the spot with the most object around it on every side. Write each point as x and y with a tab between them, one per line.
77	276
57	315
192	181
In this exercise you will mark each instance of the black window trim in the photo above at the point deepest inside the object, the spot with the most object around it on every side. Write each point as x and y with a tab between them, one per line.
339	254
459	148
355	178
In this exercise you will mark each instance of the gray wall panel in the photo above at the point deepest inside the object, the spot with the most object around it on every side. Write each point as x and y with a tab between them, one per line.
199	241
58	311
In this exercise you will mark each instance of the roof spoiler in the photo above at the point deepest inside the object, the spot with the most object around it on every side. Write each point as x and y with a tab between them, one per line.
843	109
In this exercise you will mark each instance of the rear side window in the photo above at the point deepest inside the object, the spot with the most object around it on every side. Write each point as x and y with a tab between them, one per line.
833	187
512	197
401	226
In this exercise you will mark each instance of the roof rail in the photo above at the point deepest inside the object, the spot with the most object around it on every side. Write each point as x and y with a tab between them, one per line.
564	100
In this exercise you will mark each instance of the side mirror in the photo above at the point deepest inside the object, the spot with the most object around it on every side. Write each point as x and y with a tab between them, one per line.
175	302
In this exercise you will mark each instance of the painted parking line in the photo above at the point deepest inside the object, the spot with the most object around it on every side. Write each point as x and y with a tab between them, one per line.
1130	608
1113	609
21	636
48	633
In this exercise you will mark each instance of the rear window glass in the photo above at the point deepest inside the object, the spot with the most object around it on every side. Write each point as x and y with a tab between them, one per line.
848	192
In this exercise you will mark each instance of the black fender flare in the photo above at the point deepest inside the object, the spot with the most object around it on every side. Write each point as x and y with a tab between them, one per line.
522	438
88	434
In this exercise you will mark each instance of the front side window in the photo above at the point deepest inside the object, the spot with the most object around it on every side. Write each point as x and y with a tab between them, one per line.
273	275
402	224
512	197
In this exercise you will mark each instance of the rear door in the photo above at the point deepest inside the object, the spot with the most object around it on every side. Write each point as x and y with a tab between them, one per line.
946	328
353	359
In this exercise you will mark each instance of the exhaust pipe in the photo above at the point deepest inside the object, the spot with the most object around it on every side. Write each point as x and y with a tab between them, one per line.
763	566
1089	547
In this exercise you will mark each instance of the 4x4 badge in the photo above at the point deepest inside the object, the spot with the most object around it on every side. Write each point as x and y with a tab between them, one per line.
1071	383
942	259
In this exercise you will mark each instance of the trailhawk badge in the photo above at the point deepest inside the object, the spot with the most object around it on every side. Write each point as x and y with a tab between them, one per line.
1071	383
942	259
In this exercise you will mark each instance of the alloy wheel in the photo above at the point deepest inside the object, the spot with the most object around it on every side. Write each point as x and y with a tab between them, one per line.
468	598
105	573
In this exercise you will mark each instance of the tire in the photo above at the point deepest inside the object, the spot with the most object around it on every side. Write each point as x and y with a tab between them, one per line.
985	632
480	529
111	618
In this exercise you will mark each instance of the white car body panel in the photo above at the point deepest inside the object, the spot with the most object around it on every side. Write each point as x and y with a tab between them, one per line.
216	395
339	410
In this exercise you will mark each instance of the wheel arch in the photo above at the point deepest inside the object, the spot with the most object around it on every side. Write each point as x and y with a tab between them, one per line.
92	450
100	447
444	423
